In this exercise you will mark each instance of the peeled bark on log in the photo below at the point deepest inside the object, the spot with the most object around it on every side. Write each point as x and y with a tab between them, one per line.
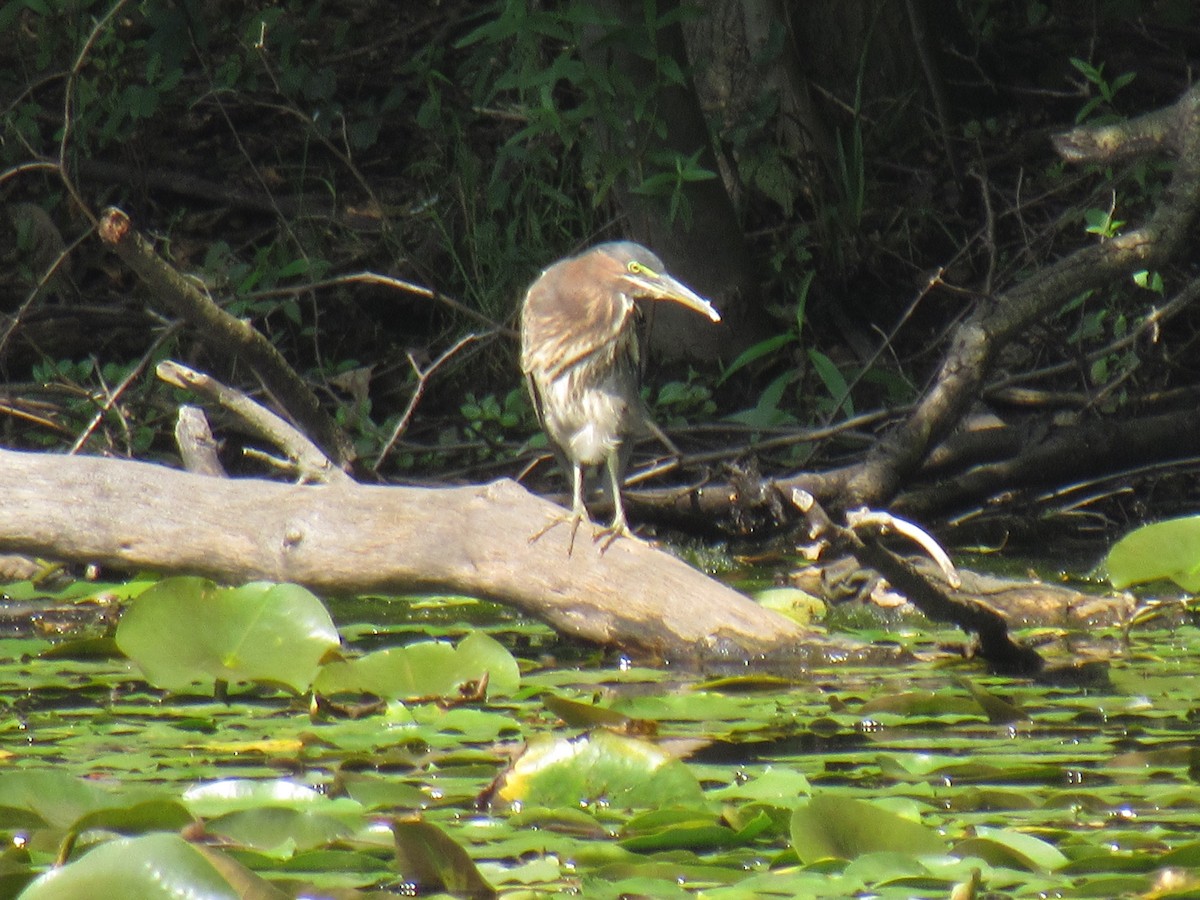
349	538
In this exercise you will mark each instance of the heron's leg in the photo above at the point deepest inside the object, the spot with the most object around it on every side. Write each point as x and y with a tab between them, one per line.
578	510
619	526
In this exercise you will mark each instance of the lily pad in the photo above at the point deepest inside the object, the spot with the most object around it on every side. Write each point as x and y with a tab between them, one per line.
153	867
600	767
830	825
426	669
185	631
63	800
431	861
1006	847
1163	550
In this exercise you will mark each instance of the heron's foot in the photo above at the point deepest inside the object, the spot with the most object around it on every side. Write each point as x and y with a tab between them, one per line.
573	518
606	536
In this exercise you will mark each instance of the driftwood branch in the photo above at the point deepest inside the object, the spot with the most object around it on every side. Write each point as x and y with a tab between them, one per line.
311	465
1085	450
197	446
225	334
990	627
347	538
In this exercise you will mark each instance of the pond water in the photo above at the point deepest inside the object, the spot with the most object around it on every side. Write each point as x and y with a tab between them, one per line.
588	774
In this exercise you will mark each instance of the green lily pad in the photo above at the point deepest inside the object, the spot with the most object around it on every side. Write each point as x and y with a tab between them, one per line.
154	867
431	861
601	767
841	827
60	799
185	631
921	703
218	798
426	669
280	832
799	606
1163	550
1005	847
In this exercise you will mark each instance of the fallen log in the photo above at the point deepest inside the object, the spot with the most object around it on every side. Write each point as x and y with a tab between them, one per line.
347	538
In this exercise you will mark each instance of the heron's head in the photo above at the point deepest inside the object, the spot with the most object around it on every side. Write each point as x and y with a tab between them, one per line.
633	270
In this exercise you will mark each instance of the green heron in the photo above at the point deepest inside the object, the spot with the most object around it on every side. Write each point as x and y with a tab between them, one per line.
579	355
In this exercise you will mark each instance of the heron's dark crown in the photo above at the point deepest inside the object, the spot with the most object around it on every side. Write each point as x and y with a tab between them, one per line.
625	251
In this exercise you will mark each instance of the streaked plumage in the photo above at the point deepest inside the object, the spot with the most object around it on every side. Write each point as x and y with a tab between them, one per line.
579	354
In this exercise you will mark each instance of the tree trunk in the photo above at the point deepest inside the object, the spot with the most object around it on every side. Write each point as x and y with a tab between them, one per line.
702	244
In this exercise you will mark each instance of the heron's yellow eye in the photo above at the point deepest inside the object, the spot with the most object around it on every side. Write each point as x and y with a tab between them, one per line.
638	269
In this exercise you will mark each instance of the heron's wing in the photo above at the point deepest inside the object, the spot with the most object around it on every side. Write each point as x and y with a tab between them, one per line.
536	396
569	316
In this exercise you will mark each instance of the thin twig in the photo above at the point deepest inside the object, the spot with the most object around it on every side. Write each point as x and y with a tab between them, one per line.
388	281
68	115
35	292
111	400
423	376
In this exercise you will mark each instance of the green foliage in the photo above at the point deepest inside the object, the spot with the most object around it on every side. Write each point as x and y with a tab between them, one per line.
186	630
425	669
1156	552
1148	280
833	827
888	783
1102	223
679	403
567	100
669	184
835	383
1106	90
603	767
151	867
432	859
495	421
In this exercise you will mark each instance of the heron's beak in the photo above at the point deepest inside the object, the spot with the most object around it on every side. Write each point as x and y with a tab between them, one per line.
664	287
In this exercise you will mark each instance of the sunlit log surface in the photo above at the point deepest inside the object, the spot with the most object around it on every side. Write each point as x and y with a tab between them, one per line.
351	538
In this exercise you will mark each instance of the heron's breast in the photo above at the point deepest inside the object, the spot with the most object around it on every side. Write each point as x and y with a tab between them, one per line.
589	420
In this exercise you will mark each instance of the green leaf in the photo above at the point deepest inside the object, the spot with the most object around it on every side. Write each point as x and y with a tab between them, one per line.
783	785
56	798
835	826
281	832
601	767
1163	550
998	711
154	867
920	703
479	653
185	631
585	715
426	669
218	798
831	376
431	861
1005	847
673	829
758	351
799	606
766	413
